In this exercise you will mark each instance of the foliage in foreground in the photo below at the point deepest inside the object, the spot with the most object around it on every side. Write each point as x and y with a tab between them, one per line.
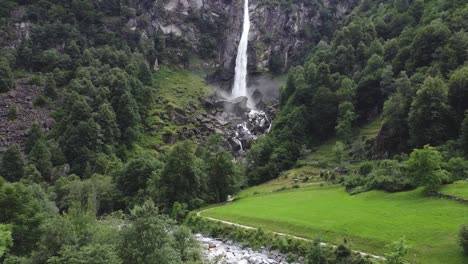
76	237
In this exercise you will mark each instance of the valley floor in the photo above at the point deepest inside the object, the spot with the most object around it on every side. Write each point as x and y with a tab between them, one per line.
368	221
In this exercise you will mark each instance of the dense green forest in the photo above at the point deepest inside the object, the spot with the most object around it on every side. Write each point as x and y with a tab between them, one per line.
90	190
402	60
68	193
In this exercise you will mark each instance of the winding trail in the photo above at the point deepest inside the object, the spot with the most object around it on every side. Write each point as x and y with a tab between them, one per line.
364	254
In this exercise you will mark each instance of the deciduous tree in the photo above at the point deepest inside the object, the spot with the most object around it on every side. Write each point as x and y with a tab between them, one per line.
424	166
429	118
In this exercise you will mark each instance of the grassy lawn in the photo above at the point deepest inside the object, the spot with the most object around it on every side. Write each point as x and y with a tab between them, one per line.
286	181
459	189
368	221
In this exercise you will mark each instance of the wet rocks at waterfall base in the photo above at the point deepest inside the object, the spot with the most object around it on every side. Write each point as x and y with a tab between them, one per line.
227	252
235	120
237	106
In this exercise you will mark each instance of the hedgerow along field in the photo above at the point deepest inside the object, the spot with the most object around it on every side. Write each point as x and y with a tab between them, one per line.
368	221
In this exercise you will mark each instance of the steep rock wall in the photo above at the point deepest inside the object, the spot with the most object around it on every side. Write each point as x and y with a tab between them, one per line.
280	34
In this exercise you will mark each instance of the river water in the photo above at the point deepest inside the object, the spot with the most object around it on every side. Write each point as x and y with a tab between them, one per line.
228	252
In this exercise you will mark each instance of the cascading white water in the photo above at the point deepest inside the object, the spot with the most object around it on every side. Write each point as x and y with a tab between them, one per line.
256	118
240	77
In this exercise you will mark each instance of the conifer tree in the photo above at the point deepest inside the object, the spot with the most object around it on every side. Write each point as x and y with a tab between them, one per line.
12	166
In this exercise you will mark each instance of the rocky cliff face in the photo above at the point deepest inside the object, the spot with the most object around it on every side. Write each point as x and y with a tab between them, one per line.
280	33
16	30
279	37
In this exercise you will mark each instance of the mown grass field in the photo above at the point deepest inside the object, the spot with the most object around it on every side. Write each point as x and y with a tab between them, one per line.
369	221
459	189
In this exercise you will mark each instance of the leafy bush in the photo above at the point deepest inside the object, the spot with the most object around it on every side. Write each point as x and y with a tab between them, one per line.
425	168
6	76
164	242
179	211
40	101
365	168
354	181
5	238
12	113
37	79
398	250
458	168
387	175
390	184
317	254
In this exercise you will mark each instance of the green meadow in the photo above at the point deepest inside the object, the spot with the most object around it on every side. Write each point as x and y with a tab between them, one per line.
368	221
459	189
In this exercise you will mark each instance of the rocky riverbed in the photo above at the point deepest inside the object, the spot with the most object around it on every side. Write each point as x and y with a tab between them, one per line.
228	252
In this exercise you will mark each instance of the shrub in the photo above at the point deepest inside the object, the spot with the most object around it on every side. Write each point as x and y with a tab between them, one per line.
365	168
5	238
40	101
317	254
386	175
463	238
342	252
354	181
323	164
179	211
339	152
398	250
282	245
50	87
390	184
12	113
458	168
425	168
6	76
37	80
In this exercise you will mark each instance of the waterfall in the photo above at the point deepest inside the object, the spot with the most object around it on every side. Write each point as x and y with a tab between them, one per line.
256	119
240	77
240	144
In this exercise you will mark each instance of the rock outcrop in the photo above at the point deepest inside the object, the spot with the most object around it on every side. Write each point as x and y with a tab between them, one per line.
230	118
